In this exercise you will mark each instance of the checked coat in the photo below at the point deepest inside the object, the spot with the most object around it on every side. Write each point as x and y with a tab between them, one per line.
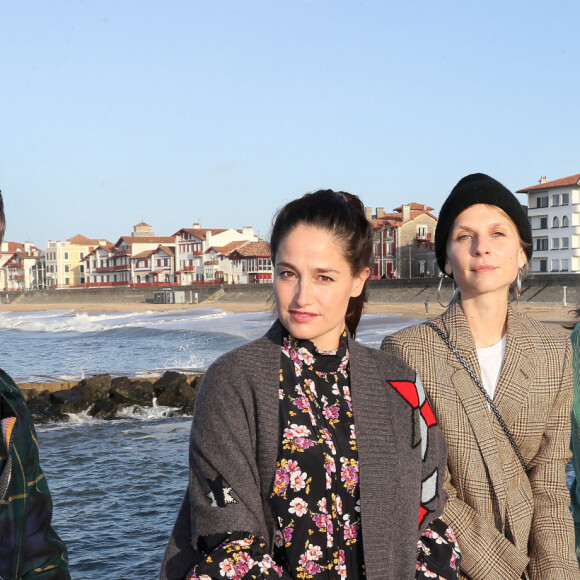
506	521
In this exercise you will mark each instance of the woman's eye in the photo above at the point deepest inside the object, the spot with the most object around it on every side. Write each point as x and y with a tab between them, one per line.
325	279
286	274
464	237
498	234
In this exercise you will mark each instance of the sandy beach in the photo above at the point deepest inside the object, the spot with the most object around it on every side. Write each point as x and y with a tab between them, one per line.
555	315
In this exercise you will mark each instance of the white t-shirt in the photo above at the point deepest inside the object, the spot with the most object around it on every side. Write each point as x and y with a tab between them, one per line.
490	361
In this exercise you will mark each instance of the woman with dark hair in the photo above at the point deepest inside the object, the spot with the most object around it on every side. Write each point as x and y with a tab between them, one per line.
501	387
281	484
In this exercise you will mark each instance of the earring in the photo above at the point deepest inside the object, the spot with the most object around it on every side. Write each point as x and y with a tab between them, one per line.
517	289
439	292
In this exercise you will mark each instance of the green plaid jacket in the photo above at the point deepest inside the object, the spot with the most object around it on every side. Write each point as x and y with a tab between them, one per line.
29	547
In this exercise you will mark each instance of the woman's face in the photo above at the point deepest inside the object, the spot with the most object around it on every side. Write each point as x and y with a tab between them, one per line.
484	251
313	285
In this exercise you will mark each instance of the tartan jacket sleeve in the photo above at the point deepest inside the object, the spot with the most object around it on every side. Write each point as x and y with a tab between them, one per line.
29	547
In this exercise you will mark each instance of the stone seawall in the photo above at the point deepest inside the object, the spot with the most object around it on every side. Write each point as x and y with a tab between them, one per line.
541	289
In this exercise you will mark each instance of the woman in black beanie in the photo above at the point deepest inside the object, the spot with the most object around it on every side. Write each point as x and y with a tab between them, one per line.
501	387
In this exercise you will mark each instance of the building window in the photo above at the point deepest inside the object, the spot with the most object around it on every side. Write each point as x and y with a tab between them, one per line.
565	199
555	243
555	265
67	281
542	201
66	268
565	221
565	243
565	266
82	269
82	255
542	244
421	232
543	223
556	222
555	199
543	265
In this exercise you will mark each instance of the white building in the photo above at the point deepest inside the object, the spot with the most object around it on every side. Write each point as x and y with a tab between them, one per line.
22	266
193	264
554	214
113	265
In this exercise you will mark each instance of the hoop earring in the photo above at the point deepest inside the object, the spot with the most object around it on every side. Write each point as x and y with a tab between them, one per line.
439	292
518	286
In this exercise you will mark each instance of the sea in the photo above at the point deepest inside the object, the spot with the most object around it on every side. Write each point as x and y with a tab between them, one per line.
117	485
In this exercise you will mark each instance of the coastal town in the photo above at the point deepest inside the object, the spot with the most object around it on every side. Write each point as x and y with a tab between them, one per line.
404	248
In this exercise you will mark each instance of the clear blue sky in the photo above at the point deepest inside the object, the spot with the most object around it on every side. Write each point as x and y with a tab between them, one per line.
175	111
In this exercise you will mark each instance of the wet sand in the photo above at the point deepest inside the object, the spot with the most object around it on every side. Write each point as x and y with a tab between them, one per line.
552	314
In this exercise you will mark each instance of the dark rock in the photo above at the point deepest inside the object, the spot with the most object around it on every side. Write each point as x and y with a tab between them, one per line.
104	409
48	416
169	380
80	398
28	394
132	392
98	383
181	395
41	403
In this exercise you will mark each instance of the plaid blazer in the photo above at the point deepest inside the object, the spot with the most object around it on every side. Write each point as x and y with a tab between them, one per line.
506	521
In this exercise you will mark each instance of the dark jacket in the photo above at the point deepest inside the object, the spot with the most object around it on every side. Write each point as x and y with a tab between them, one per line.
235	437
29	547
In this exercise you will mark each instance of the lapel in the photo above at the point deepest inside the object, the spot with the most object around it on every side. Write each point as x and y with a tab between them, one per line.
517	372
474	404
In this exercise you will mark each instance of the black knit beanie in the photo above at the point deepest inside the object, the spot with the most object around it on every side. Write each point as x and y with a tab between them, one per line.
473	189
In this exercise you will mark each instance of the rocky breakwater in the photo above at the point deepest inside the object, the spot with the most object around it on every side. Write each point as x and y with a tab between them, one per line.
104	397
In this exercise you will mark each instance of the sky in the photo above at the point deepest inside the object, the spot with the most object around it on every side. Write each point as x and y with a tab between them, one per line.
114	112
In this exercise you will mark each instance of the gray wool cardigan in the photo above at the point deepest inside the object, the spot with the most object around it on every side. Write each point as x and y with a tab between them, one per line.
234	445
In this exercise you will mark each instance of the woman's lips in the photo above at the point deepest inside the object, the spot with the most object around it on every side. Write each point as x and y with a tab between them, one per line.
301	316
483	268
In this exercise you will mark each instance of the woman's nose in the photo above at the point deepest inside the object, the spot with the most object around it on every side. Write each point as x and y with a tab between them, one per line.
480	246
303	292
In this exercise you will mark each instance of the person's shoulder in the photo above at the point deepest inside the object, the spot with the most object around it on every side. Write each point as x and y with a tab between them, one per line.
8	387
540	331
414	334
251	359
390	364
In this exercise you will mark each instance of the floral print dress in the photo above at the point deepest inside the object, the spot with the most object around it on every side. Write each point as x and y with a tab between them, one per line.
316	491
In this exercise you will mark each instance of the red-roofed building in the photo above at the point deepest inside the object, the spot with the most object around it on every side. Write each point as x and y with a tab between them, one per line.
404	241
192	245
154	266
251	263
22	267
113	264
554	214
